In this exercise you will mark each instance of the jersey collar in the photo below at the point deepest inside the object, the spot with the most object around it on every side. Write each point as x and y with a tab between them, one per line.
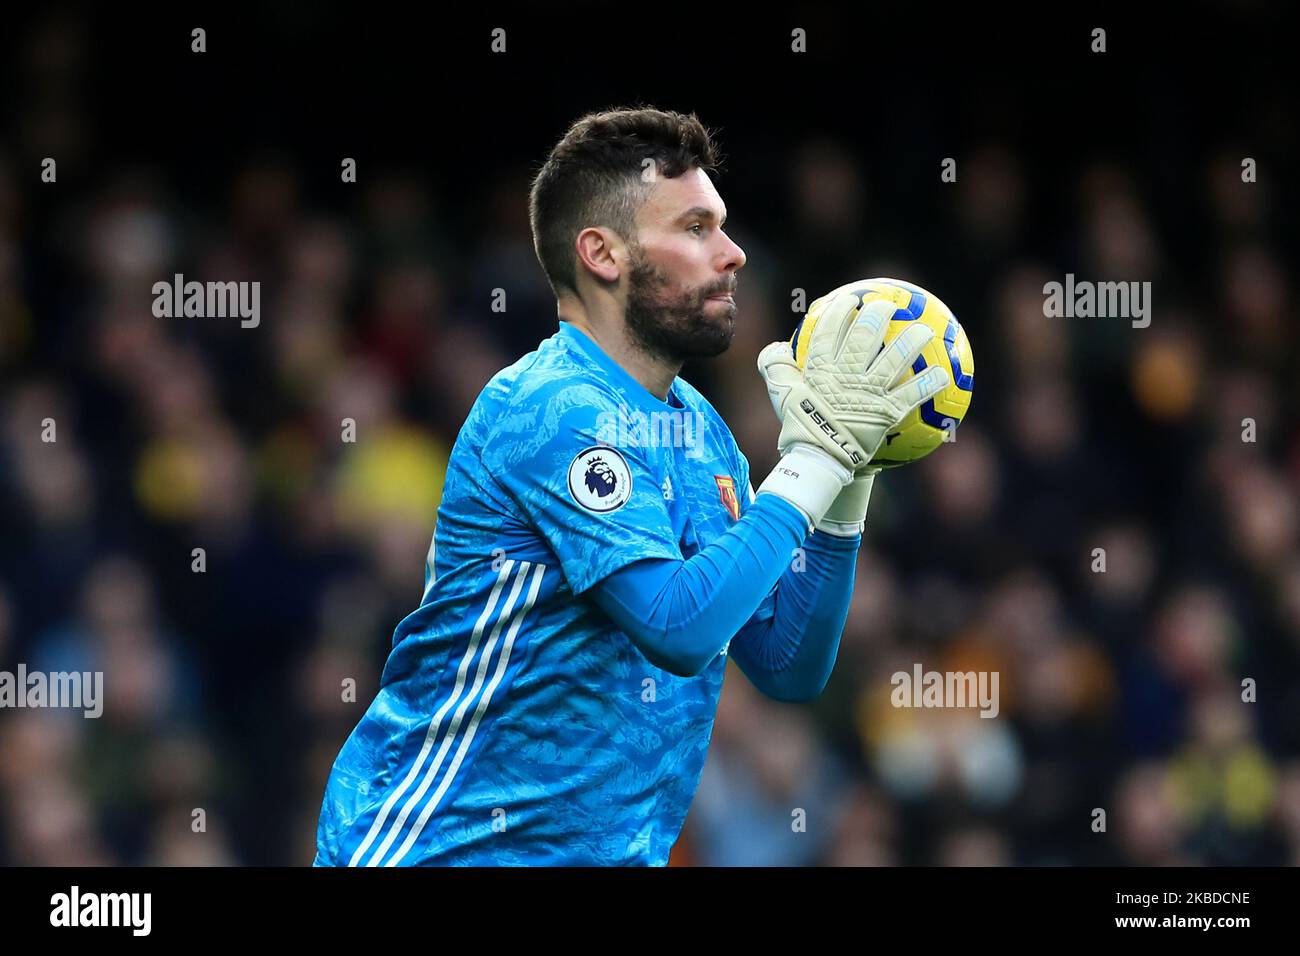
630	387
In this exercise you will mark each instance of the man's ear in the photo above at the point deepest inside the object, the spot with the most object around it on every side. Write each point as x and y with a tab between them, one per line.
601	252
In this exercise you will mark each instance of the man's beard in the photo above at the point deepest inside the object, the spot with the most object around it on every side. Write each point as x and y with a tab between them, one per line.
675	328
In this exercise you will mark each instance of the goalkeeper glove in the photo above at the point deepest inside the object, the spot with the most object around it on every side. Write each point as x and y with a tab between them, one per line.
847	514
835	412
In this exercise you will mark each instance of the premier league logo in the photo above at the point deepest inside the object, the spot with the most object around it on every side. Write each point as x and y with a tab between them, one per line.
599	479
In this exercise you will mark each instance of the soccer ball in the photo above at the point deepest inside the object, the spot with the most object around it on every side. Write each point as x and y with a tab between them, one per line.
928	425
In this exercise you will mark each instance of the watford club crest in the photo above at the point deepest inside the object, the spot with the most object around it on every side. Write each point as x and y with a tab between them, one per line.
727	491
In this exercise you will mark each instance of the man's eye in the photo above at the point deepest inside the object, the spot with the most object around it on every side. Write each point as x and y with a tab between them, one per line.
696	226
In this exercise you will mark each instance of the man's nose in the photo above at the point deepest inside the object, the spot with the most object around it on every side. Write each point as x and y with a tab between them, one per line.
735	256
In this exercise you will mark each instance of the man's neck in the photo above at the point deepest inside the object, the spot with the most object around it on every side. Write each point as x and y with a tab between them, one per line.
655	373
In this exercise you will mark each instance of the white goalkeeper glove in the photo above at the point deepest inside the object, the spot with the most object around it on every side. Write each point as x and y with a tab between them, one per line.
837	410
847	514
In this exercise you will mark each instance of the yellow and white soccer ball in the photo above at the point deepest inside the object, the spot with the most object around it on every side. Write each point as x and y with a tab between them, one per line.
924	428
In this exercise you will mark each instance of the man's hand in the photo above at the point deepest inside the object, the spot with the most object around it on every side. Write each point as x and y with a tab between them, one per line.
782	375
843	402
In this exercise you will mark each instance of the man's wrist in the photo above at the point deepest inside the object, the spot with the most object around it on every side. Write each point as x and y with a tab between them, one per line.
847	515
809	478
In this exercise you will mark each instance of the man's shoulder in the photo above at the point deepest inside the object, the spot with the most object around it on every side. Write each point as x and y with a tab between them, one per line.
548	373
532	401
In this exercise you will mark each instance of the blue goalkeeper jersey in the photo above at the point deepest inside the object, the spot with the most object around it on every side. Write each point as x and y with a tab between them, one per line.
515	724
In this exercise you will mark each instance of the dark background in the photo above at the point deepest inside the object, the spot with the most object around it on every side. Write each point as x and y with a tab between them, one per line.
1119	690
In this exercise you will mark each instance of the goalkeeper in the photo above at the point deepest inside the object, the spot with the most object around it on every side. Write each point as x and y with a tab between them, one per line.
551	699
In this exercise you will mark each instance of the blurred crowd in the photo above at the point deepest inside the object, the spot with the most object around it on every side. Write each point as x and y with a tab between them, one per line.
1174	449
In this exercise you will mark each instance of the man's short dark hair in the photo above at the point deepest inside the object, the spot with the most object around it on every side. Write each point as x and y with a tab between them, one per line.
595	177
